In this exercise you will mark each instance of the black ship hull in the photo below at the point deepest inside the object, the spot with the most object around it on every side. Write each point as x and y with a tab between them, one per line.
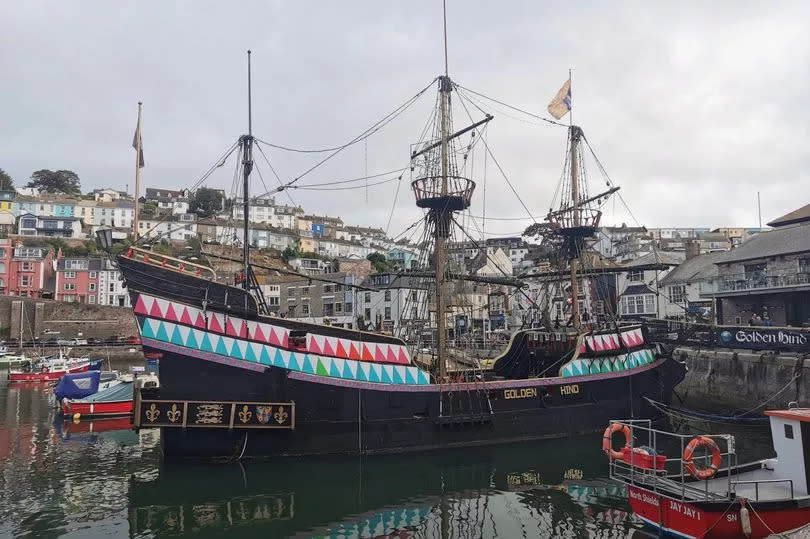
237	384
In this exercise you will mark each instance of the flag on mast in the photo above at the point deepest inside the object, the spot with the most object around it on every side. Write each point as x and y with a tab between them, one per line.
137	142
561	104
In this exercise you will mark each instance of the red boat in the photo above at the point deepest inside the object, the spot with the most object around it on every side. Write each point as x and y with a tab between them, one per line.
51	370
115	401
692	494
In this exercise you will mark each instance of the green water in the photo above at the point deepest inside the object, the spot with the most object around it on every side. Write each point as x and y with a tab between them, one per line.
57	481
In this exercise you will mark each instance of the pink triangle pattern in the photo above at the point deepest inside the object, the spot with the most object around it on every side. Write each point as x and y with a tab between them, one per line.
140	304
200	321
215	323
169	314
403	356
328	349
272	338
155	311
258	334
392	355
379	353
185	318
229	329
312	345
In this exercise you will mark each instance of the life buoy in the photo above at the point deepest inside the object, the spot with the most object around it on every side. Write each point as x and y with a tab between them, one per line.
607	441
717	457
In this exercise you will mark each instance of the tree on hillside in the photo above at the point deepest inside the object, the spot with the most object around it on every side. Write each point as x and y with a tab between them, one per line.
380	263
56	181
206	202
6	182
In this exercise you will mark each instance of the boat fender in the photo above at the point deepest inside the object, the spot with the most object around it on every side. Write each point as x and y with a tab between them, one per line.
717	457
607	441
745	519
76	417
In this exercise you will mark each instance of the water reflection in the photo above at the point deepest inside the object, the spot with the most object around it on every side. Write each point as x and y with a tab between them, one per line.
66	479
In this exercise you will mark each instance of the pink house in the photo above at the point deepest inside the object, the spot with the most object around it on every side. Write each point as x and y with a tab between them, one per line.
26	271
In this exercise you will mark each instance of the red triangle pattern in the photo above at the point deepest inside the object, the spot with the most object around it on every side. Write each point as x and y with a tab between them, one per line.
170	314
327	347
353	353
213	324
392	356
229	329
285	339
341	351
313	345
258	335
243	331
185	318
403	356
140	308
367	356
200	321
155	310
379	353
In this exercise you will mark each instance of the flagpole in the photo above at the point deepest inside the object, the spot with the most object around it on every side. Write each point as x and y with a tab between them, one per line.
571	101
137	172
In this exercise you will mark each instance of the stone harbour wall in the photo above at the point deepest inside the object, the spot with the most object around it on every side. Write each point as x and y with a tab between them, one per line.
39	317
728	382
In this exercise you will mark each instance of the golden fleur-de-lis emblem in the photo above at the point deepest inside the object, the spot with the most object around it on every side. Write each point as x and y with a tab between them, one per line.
281	416
152	413
245	414
173	414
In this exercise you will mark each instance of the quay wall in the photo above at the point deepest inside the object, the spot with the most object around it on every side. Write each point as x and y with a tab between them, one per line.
69	319
727	382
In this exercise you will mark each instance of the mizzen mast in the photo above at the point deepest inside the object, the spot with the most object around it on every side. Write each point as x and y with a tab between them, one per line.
246	142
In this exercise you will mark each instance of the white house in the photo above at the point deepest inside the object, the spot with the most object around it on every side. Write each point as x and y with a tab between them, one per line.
639	287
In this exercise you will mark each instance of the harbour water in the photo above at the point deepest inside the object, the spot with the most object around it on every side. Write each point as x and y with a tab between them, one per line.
77	480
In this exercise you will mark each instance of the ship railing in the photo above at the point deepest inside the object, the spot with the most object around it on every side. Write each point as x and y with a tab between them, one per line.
672	479
757	482
169	262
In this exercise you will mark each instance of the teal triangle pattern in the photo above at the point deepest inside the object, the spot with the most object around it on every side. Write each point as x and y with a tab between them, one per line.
146	329
236	350
386	376
422	378
307	368
161	333
409	379
264	357
206	343
191	341
372	374
292	364
250	355
361	375
221	346
397	379
176	337
278	359
347	372
333	370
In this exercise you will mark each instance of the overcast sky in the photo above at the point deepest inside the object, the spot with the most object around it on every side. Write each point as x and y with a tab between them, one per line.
691	107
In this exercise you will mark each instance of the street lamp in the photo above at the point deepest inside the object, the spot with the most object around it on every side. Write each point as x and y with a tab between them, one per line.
104	239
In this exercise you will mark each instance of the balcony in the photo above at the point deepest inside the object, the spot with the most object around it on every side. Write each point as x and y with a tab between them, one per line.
756	283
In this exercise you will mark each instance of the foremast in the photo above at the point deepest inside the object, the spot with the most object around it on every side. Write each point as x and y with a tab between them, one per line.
246	142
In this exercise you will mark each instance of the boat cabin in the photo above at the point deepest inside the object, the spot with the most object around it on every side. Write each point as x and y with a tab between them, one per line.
789	429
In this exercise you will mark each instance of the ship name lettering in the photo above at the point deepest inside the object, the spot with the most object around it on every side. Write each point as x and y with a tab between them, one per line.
571	389
524	393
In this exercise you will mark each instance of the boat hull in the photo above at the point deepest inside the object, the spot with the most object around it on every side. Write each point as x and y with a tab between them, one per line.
87	410
720	519
340	417
47	376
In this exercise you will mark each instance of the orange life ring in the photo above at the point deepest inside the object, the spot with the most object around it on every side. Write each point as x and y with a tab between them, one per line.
607	439
717	458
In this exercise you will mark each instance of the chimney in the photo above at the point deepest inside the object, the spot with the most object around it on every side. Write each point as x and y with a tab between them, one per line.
692	248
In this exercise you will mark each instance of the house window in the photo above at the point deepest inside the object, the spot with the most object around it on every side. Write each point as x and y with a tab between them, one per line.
26	266
327	288
338	307
2	267
305	308
388	313
804	264
677	294
649	303
347	308
2	253
91	299
414	296
290	290
414	313
92	275
273	300
387	295
70	275
112	287
635	276
70	286
368	297
788	431
25	281
367	314
638	304
91	287
305	290
754	271
28	223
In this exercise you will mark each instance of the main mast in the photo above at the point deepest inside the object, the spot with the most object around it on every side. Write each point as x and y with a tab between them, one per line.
246	142
442	229
575	315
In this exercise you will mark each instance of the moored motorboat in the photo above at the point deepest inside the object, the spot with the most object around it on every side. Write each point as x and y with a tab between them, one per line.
712	496
113	401
52	368
83	384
